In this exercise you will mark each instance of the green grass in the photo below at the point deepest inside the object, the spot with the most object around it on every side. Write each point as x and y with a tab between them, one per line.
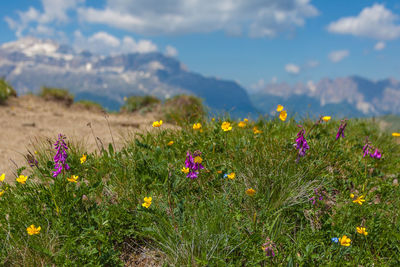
57	95
210	221
6	90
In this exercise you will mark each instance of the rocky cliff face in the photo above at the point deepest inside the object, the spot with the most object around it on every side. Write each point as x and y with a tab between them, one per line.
31	63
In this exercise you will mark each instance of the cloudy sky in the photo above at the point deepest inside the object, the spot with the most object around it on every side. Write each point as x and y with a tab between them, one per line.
251	41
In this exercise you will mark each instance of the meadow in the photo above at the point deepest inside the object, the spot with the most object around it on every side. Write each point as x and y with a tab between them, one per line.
216	192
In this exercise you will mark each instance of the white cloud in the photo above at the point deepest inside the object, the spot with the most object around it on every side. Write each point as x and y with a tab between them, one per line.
292	68
257	18
171	51
105	43
375	22
379	46
339	55
312	63
54	11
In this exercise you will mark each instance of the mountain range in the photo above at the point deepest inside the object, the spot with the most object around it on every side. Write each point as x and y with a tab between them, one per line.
30	63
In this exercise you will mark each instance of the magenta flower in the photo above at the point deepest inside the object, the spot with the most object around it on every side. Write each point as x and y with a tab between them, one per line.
367	148
340	132
61	156
377	154
269	248
193	162
318	196
301	143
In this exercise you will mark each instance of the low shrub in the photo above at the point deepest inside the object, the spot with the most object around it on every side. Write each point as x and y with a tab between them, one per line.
88	105
182	109
6	90
143	103
58	95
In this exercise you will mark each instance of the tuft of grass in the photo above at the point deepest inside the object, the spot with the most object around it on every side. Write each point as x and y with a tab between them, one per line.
89	105
6	90
184	109
210	221
57	94
140	103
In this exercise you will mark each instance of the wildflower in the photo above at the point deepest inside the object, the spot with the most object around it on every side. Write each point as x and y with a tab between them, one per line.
1	192
170	143
345	241
61	155
31	160
226	126
283	115
301	143
32	230
317	196
340	132
185	170
335	239
361	230
73	178
231	175
193	163
147	202
396	134
359	200
197	126
213	119
352	195
326	118
22	179
219	172
279	108
35	152
256	131
2	177
83	158
250	192
246	120
269	248
377	154
242	124
367	148
157	123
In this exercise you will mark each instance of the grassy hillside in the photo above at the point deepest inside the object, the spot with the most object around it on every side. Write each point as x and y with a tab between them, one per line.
292	215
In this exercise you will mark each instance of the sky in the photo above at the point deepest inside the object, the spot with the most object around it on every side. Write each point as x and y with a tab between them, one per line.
254	42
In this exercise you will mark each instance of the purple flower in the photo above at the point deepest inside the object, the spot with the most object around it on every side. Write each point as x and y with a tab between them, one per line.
367	148
193	162
317	195
31	160
341	130
301	143
377	154
269	248
61	156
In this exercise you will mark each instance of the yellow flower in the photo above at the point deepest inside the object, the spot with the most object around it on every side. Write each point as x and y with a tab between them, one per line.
170	143
73	178
2	177
246	120
251	192
147	202
226	126
157	123
231	175
352	195
35	152
242	124
2	192
197	126
359	200
83	158
396	134
198	159
32	230
283	115
256	131
22	179
185	170
361	230
326	118
279	108
344	241
213	119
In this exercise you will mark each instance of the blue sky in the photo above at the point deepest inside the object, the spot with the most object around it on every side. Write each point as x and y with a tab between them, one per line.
251	41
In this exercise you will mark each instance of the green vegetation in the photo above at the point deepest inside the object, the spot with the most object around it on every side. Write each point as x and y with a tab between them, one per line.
211	221
183	109
58	95
88	105
6	90
140	103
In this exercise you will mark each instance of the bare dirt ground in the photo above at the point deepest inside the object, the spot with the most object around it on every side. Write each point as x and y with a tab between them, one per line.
28	119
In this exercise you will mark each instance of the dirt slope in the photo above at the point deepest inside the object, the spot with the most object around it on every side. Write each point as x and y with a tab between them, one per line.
29	118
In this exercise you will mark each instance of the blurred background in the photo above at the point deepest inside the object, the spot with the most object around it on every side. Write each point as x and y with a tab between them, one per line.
338	58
